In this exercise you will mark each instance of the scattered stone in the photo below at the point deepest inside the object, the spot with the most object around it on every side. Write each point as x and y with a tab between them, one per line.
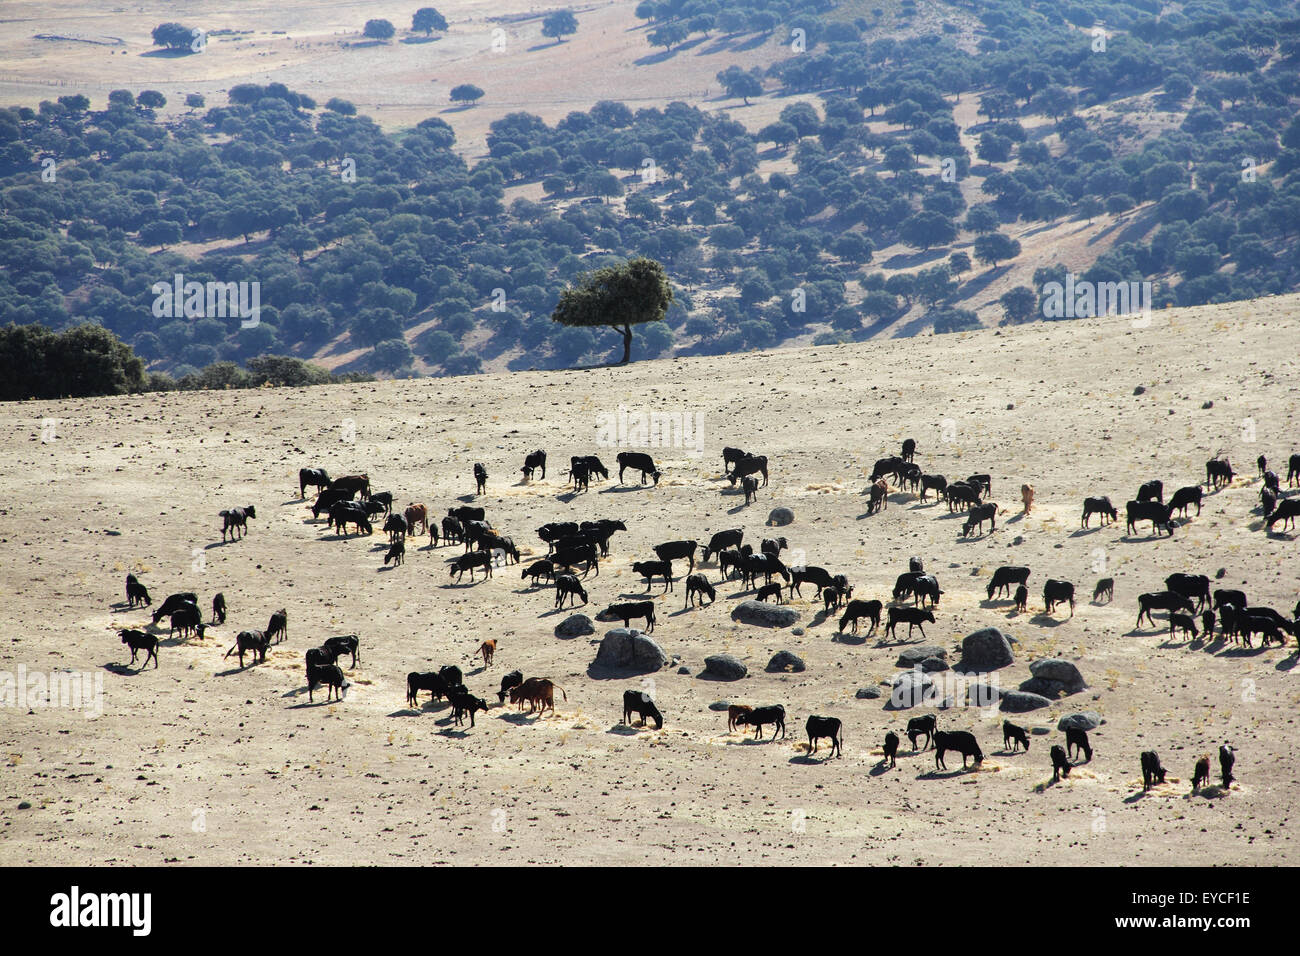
724	667
914	655
720	705
783	661
987	649
911	689
628	649
797	631
762	614
1083	720
576	625
1018	701
868	693
1140	390
780	517
933	665
683	670
1053	677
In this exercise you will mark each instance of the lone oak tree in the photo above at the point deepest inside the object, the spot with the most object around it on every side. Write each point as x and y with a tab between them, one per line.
617	296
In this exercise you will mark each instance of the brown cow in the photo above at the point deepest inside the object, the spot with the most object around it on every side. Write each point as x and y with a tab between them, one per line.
1027	496
539	692
879	496
417	514
487	649
735	712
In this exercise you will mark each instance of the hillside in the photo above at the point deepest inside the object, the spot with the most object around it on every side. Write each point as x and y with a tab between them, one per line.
198	762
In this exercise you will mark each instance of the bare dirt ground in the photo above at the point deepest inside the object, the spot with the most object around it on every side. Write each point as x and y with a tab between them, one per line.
198	761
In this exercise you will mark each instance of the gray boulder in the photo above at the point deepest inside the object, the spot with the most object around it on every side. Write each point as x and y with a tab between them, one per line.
724	667
1083	720
1056	676
982	694
783	661
911	689
780	517
1018	701
575	625
933	665
762	614
628	649
987	649
868	693
720	705
914	655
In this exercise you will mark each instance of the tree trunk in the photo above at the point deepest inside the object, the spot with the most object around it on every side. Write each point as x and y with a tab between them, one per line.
626	332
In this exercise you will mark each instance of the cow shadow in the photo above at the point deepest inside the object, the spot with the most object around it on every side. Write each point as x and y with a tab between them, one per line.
809	759
736	510
312	704
937	774
520	718
122	670
1289	662
624	730
621	489
1084	532
405	712
1043	619
1243	652
853	640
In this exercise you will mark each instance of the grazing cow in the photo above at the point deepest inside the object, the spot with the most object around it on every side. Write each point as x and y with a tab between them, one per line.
186	620
639	703
1105	588
734	714
513	679
1153	490
1227	757
909	449
469	562
568	585
250	642
436	684
730	456
936	483
174	603
879	496
722	540
1272	482
810	574
1160	601
625	612
928	725
532	462
582	554
1006	576
749	465
1293	471
601	531
1100	505
855	610
698	586
345	644
1060	763
452	532
318	478
911	616
236	519
653	569
538	693
1027	497
1057	592
1022	599
978	515
278	627
1190	586
637	461
396	527
768	591
480	478
1218	473
592	465
758	716
492	543
835	596
319	656
925	587
1287	511
136	593
1076	738
537	569
983	481
749	485
417	515
140	641
893	465
1184	498
1158	514
327	499
962	741
1207	622
1267	502
357	484
463	703
1013	737
382	498
1152	772
1266	622
344	513
1201	773
819	727
891	748
676	551
219	609
329	674
488	648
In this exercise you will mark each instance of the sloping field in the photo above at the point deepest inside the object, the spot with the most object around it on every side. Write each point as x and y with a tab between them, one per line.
198	761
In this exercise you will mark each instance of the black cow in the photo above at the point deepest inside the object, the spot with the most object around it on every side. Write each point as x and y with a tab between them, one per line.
1022	599
1191	586
627	611
983	481
730	456
318	478
140	641
219	609
1152	772
1184	621
1158	514
344	513
357	484
859	609
1076	738
1184	498
927	724
769	591
1013	736
749	465
592	465
925	587
1100	505
1060	763
327	499
911	616
1160	601
186	620
773	546
961	496
1057	592
532	462
1201	772
136	593
462	703
978	515
537	569
1006	576
513	679
697	586
585	554
1227	757
818	577
819	727
236	519
639	703
319	656
174	603
893	465
382	498
1152	491
469	562
279	626
758	716
909	449
250	642
936	483
436	684
1293	471
346	644
962	741
1287	511
1218	473
676	551
654	569
463	513
396	553
480	478
637	461
568	585
750	486
1105	588
891	748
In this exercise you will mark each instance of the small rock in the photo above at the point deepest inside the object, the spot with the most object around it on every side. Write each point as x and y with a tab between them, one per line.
867	693
1140	390
762	614
628	649
576	625
1018	701
783	661
914	655
780	517
724	667
797	631
24	805
1083	720
683	670
932	665
911	689
720	705
985	650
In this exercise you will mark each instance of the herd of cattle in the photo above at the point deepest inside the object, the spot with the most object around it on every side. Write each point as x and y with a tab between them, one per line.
575	549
